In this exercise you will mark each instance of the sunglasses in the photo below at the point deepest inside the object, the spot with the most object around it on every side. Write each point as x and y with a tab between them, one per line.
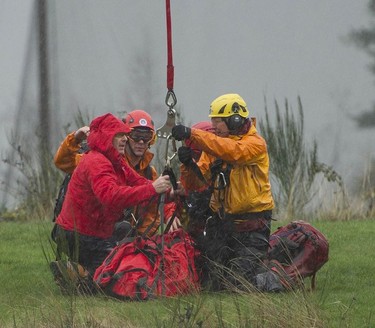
137	137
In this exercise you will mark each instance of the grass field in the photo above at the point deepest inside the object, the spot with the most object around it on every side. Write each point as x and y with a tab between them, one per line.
344	296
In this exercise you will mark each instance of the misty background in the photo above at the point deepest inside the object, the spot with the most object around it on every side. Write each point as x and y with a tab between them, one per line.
110	56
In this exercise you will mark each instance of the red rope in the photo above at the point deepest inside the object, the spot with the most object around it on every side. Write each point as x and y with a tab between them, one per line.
170	68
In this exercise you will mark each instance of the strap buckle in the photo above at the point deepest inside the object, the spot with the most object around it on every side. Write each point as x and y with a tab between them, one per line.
221	181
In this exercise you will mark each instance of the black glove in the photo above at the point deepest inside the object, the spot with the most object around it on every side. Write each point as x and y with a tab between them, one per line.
181	132
185	155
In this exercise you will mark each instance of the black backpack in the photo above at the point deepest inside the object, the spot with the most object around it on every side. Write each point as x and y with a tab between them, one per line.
61	196
64	185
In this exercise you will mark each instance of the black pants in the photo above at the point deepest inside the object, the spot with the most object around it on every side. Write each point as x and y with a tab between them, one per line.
88	251
231	257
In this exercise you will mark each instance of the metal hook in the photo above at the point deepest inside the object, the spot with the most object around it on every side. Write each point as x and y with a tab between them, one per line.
166	130
170	99
174	148
221	181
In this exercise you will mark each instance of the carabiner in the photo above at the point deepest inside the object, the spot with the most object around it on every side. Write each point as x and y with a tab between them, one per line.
174	149
221	181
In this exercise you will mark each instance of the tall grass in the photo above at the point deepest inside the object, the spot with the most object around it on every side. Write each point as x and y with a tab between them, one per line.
33	179
365	188
294	167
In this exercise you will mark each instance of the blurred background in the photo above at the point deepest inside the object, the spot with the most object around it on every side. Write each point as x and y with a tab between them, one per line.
93	56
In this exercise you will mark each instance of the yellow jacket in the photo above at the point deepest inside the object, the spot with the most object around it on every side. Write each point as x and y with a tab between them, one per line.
248	189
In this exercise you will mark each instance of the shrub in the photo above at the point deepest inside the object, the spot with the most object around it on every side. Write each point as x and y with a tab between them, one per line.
32	178
293	166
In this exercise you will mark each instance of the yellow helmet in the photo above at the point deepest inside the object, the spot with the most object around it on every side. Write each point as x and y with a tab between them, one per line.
228	105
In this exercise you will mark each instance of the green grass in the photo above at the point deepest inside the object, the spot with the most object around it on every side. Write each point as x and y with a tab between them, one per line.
344	296
349	290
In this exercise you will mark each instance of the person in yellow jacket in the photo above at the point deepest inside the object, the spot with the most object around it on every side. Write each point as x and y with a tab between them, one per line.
145	219
235	164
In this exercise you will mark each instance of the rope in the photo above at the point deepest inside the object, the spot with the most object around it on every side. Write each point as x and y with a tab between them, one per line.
170	68
170	101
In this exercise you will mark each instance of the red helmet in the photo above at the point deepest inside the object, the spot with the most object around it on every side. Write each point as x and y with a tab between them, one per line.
205	126
139	119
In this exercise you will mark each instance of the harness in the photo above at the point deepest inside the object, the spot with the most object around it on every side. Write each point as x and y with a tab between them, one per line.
220	179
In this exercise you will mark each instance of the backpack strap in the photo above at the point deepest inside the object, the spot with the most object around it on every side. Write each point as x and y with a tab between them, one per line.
61	196
284	278
148	172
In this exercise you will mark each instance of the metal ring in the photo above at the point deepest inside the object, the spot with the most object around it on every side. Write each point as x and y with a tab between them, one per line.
170	99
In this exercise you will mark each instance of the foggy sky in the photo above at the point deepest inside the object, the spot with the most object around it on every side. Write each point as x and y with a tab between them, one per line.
111	56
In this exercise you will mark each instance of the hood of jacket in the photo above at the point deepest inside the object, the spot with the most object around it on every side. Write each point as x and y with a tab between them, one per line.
102	131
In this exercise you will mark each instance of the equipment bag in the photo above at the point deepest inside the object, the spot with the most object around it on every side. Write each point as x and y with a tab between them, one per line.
64	185
297	250
163	265
61	196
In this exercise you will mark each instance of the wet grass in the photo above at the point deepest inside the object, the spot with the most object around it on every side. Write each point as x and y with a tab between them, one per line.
344	296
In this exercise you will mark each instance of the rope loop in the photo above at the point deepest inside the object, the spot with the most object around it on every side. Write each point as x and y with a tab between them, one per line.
170	99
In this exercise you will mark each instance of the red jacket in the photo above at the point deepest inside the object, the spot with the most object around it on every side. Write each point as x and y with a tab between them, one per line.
103	184
67	159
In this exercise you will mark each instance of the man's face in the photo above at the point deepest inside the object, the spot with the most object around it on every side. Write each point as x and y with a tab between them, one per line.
139	140
119	142
220	127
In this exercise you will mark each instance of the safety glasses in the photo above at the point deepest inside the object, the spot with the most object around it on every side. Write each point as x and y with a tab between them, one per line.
138	136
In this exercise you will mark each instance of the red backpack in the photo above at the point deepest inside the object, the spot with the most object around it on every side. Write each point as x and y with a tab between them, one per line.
297	250
149	267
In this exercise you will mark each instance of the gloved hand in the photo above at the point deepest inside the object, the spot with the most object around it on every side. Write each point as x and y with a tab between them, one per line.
181	132
185	155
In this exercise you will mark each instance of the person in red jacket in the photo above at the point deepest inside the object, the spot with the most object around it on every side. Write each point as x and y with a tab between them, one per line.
144	219
101	186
